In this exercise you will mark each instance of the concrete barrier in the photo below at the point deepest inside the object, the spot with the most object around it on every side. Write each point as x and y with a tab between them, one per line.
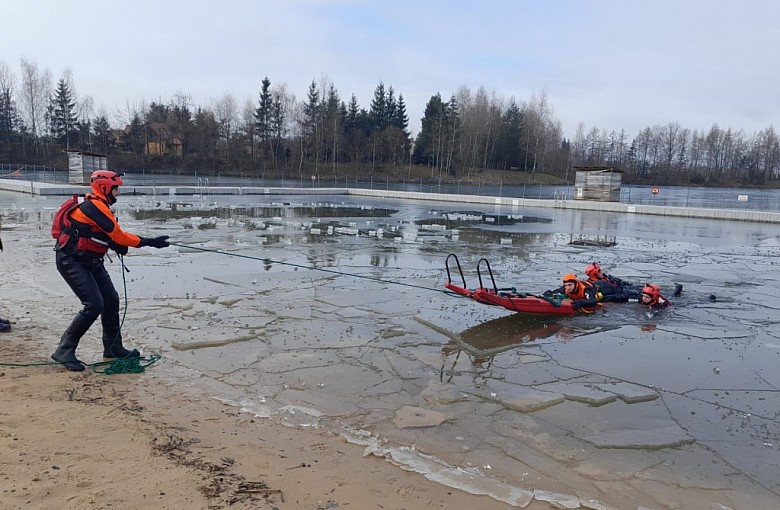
44	189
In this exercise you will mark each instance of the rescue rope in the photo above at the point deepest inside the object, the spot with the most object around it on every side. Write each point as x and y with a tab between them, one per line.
128	365
134	365
267	260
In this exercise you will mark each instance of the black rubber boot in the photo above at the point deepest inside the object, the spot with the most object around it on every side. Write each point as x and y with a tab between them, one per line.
114	349
66	354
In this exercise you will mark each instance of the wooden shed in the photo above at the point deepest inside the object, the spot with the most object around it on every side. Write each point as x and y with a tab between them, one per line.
598	183
81	164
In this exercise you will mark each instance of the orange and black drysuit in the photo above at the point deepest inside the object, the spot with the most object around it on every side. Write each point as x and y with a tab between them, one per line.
88	231
658	301
585	295
615	290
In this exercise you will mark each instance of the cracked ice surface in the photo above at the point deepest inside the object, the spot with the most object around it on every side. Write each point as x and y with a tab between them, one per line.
619	409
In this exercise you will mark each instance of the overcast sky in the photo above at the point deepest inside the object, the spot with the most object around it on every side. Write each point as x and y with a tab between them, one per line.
619	64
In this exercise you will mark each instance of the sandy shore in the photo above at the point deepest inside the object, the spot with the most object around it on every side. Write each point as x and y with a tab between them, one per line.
89	440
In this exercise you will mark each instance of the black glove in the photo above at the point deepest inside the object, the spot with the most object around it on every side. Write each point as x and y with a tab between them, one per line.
155	242
547	293
118	248
576	304
618	281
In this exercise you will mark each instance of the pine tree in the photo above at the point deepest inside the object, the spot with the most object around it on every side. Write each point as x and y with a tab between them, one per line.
277	127
351	116
401	118
62	114
8	119
310	124
102	130
378	108
263	113
428	139
332	127
511	146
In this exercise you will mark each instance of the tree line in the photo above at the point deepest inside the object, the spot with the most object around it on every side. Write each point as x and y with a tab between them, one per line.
279	134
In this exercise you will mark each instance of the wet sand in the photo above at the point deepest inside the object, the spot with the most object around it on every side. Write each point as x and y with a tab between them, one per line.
131	441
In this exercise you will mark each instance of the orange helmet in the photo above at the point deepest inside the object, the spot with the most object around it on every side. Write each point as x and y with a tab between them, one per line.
571	277
652	290
103	182
593	271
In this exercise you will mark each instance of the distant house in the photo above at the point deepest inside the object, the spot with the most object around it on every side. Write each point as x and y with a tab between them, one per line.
158	140
598	183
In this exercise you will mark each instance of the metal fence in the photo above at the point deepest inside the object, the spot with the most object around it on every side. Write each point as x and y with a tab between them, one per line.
673	196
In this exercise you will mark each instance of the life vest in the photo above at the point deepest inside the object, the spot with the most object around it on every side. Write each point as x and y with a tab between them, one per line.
73	236
579	291
659	302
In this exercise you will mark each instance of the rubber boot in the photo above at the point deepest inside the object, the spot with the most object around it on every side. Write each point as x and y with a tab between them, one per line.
113	348
66	354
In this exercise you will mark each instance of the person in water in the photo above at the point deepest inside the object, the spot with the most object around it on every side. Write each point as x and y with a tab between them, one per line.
582	294
614	289
85	229
651	296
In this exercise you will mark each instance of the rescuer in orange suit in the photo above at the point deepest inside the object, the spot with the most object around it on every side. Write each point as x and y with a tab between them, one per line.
85	229
582	294
651	296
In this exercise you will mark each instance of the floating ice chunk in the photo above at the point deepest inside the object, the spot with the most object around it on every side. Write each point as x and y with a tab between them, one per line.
409	417
557	500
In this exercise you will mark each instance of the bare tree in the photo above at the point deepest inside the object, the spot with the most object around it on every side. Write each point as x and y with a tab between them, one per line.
768	153
715	150
7	83
579	146
67	76
594	144
7	80
283	118
86	111
182	106
35	87
226	113
248	127
696	154
683	143
539	131
670	144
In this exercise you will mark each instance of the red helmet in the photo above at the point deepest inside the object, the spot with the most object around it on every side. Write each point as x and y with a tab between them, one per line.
652	290
571	277
593	271
103	182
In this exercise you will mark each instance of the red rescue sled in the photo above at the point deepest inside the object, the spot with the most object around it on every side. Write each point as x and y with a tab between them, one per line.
507	298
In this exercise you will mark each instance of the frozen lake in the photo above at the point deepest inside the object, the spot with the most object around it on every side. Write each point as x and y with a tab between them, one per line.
331	313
